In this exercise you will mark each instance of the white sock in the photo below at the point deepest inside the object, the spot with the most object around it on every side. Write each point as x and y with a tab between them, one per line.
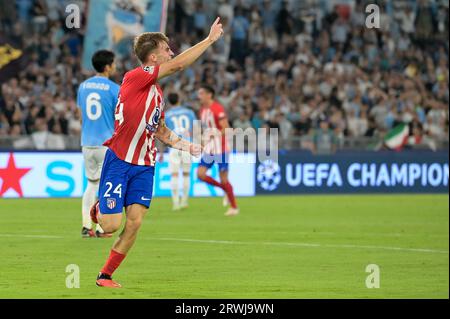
175	191
89	197
186	187
99	228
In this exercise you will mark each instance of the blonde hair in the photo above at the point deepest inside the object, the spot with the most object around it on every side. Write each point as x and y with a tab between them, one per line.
146	43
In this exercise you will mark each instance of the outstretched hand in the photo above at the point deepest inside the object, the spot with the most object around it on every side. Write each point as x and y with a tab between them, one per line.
195	150
216	30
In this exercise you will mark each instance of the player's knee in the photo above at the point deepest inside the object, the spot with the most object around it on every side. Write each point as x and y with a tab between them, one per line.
94	182
134	220
201	174
223	179
110	225
134	224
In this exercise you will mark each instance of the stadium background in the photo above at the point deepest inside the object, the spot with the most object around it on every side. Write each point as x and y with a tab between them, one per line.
310	69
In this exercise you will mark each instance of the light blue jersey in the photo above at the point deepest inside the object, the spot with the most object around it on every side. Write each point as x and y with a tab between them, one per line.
97	99
181	120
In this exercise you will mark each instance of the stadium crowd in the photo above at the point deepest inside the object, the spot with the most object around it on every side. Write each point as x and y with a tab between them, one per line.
310	69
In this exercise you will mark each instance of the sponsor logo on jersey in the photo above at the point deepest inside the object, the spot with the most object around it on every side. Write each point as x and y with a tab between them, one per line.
154	120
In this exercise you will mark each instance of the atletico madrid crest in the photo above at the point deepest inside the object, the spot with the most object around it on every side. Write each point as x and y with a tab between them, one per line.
111	203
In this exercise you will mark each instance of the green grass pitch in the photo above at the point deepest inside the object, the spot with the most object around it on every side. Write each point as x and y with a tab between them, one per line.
278	247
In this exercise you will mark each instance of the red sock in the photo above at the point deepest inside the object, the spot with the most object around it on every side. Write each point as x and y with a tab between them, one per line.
229	190
212	181
113	262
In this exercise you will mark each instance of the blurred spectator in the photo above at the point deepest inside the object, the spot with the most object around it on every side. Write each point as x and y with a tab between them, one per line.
239	28
268	15
242	122
284	20
225	10
43	139
200	20
7	15
325	140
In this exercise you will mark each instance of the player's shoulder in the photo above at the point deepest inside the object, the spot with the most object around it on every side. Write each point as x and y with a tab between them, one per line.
141	71
150	69
114	86
98	83
111	82
184	109
218	109
130	73
175	110
217	105
170	111
87	85
83	83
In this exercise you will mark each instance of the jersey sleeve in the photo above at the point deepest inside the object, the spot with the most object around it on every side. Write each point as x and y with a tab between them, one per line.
219	112
145	76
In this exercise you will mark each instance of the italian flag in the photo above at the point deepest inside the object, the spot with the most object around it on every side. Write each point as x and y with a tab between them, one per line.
396	138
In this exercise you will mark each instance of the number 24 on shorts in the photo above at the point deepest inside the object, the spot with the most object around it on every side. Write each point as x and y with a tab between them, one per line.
117	190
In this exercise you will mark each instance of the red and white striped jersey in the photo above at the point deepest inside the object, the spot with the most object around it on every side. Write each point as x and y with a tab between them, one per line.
210	118
138	112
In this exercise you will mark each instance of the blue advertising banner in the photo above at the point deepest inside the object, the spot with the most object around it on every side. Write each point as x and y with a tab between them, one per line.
348	172
61	174
113	24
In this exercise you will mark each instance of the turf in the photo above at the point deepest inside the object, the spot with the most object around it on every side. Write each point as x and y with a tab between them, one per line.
278	247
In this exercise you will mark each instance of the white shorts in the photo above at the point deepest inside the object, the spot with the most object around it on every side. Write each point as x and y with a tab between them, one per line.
179	159
93	161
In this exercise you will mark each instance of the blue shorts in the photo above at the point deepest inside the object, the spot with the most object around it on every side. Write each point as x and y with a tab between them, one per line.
123	184
221	160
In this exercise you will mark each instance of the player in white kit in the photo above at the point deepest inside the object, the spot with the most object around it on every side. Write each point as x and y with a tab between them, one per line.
180	119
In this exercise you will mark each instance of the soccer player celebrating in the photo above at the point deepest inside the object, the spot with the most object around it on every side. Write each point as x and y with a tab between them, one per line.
128	169
180	120
97	99
215	121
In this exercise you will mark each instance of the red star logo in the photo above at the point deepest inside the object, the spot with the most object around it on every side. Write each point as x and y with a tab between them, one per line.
11	176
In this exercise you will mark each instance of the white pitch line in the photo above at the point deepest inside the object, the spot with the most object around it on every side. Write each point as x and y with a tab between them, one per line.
228	242
365	234
31	236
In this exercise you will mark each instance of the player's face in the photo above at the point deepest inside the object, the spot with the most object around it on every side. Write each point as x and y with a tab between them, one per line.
164	53
204	96
112	69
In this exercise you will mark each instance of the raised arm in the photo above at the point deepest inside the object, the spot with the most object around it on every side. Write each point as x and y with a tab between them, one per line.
189	56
